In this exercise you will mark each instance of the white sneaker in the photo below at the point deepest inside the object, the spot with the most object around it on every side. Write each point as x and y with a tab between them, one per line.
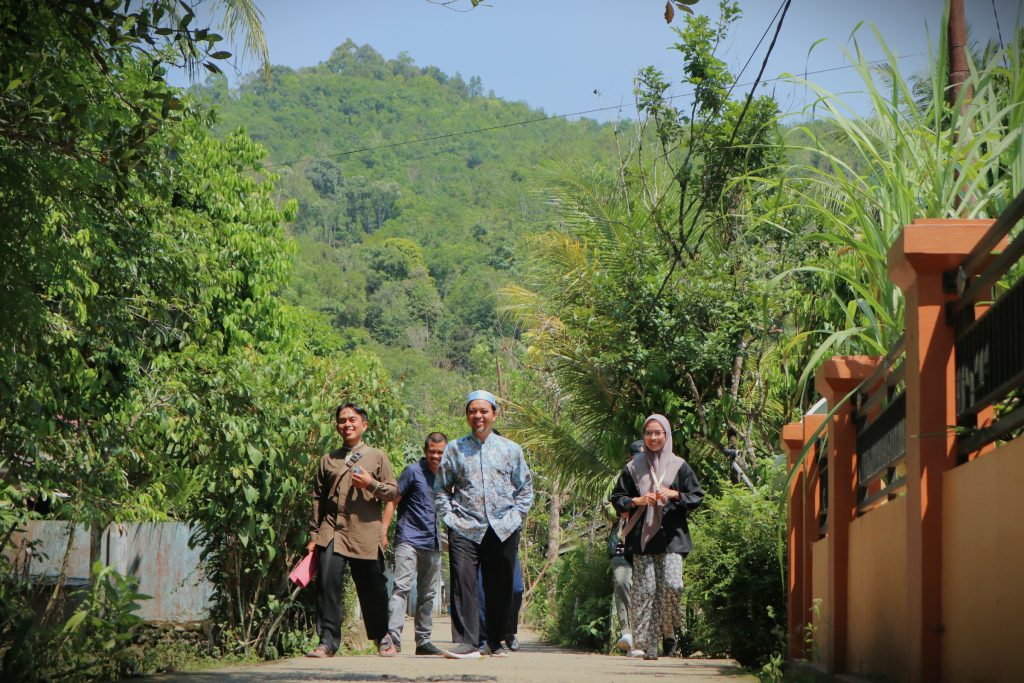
625	642
636	653
463	651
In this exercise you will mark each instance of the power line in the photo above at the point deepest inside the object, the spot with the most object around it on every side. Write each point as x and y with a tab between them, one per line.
444	136
999	31
784	8
758	46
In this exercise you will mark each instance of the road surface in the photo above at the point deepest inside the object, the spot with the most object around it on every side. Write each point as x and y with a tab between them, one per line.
534	663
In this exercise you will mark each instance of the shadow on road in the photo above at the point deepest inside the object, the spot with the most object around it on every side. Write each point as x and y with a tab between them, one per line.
297	674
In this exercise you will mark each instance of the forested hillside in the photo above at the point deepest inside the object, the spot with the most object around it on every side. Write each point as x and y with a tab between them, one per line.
403	246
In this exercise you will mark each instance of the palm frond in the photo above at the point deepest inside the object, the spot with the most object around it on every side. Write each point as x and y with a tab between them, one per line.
244	17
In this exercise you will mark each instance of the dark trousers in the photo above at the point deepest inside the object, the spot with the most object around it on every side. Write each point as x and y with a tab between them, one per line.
513	617
495	559
371	589
517	603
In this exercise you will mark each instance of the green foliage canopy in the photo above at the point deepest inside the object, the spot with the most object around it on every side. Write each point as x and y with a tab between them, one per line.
148	367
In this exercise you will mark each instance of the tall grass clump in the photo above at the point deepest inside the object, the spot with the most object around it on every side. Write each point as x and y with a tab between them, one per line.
918	153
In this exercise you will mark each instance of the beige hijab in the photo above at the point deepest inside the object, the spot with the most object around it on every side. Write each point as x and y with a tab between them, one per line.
652	470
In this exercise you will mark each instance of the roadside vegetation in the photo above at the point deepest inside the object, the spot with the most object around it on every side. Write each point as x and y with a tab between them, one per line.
192	280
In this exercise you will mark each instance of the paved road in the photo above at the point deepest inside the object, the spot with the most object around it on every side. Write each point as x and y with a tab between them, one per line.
535	663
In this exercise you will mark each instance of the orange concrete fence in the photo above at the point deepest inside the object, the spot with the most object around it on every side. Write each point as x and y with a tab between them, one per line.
905	546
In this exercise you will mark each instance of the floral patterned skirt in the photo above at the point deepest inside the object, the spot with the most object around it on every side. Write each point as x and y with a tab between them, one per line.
656	598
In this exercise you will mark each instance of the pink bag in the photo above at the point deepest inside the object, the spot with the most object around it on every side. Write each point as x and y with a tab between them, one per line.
305	570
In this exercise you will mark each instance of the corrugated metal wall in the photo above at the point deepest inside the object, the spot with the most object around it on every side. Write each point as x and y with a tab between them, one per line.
157	554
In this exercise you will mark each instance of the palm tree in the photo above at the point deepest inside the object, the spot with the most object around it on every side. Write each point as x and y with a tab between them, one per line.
243	17
195	46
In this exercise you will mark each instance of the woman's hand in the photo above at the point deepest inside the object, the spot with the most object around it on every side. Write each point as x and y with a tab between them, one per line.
310	546
666	494
646	499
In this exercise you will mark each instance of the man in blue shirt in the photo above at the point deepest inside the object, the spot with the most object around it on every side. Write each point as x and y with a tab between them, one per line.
483	491
417	546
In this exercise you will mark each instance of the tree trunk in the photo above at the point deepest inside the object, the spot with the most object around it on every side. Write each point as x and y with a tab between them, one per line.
53	605
956	34
554	522
554	532
95	543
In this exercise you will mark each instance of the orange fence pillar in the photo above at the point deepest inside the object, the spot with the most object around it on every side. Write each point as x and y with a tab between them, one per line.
793	443
836	378
812	515
917	260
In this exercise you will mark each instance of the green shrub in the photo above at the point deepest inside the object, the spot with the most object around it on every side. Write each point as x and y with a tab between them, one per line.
579	611
735	590
275	415
90	645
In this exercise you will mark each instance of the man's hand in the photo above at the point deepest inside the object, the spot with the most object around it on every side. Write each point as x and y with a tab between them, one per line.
360	478
384	539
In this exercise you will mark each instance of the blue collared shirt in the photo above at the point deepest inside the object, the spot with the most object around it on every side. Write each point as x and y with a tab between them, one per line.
483	484
417	518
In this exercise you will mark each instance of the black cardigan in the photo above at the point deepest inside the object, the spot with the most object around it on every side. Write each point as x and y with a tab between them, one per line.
674	534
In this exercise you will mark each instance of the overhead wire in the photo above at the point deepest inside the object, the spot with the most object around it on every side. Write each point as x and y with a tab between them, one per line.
757	47
764	65
999	32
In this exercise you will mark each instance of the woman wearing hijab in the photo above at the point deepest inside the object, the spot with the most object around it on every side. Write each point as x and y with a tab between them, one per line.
656	488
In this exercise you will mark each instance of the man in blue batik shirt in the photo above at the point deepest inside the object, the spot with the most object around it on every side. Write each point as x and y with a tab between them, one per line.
483	491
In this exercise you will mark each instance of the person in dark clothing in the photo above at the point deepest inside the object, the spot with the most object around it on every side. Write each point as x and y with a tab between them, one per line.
511	639
657	489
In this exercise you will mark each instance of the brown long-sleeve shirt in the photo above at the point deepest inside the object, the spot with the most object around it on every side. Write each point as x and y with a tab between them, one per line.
349	516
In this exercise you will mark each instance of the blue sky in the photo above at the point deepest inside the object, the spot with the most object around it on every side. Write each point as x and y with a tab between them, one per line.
554	54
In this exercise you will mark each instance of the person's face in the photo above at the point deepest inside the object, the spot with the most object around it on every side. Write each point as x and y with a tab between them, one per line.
350	426
433	453
481	416
654	436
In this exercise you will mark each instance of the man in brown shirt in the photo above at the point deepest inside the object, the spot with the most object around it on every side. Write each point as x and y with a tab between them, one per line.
345	528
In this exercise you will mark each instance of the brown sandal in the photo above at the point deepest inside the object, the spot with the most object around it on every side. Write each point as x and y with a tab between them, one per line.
320	651
386	648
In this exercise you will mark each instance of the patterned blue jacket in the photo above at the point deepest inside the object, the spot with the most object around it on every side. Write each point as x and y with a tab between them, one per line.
483	484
